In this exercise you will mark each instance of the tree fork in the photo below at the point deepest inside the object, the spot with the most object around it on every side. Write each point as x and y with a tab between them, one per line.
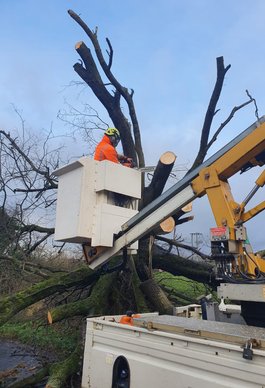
123	91
96	303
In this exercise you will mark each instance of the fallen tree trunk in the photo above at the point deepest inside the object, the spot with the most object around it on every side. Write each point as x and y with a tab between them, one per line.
140	301
60	371
156	297
11	305
178	297
95	304
178	266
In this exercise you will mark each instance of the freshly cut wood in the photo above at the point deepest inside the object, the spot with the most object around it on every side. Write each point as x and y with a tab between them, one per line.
160	177
167	158
187	208
78	44
166	226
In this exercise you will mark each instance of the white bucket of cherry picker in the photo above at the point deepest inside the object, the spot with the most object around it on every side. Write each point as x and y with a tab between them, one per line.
94	200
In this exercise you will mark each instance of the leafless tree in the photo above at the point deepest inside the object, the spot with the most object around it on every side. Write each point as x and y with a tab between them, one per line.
29	188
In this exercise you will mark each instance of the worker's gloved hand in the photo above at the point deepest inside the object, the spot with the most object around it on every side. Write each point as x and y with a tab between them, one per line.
128	162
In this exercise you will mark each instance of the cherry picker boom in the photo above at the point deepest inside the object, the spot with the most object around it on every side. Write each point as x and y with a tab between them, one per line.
211	178
236	264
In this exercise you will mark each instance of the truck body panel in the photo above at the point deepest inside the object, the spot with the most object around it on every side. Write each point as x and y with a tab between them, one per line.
161	358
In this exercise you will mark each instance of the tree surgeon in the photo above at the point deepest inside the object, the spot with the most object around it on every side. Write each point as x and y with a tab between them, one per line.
106	148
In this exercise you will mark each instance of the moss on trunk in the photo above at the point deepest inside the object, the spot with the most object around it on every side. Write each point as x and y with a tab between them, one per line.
11	305
96	303
60	371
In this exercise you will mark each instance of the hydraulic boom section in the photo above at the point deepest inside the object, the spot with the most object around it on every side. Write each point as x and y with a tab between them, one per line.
235	260
231	250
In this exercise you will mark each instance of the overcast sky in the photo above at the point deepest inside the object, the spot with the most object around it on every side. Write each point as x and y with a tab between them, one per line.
165	50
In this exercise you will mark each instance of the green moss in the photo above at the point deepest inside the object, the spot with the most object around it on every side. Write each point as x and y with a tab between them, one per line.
60	371
11	305
186	290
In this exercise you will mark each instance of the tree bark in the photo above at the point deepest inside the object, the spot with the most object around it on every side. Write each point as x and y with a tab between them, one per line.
176	265
95	304
60	371
156	297
11	305
221	72
140	301
160	177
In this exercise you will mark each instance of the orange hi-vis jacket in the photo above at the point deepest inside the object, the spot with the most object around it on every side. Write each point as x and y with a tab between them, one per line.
106	151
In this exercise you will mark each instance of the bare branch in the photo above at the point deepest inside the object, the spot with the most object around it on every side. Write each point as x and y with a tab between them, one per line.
110	53
229	118
184	246
28	160
36	228
255	103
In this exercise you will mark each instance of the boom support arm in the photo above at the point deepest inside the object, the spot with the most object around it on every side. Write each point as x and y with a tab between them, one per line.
245	151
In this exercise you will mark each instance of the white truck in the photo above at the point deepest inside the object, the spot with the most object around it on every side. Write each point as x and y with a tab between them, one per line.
170	351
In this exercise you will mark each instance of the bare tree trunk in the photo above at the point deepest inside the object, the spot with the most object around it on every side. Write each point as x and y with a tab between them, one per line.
211	111
156	297
160	177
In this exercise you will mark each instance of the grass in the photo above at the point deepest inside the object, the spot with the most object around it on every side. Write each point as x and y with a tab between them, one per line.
58	339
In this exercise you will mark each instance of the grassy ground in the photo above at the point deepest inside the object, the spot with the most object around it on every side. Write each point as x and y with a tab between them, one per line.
58	340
